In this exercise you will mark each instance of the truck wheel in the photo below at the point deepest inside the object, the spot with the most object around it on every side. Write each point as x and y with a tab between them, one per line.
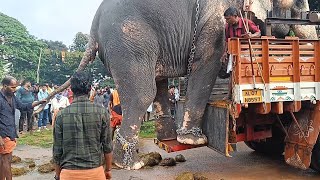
272	146
315	158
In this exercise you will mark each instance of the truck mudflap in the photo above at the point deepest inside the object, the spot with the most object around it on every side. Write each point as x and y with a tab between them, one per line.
216	126
302	136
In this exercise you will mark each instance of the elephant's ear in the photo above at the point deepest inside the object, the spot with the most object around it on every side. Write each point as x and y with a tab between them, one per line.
259	8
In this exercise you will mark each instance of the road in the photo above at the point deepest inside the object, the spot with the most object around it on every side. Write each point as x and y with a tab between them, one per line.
244	165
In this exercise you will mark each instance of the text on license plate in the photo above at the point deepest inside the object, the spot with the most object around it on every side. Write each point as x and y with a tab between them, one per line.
252	96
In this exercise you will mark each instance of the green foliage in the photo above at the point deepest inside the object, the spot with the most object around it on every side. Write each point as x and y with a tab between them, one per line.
55	45
2	70
41	139
107	82
79	42
22	51
44	138
19	48
314	5
148	130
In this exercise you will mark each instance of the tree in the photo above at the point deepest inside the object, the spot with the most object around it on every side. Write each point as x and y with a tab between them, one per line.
79	42
19	48
55	45
97	68
314	5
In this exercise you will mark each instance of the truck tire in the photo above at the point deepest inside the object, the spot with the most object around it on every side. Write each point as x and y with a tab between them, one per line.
315	158
271	146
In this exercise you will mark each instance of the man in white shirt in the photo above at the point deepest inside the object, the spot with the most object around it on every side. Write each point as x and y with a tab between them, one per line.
58	102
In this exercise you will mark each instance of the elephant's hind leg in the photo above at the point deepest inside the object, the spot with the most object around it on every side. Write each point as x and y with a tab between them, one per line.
165	123
132	63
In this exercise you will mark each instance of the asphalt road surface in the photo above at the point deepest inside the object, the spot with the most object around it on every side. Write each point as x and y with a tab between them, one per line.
244	165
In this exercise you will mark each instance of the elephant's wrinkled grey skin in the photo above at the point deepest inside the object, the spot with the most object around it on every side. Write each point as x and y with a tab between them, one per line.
143	42
295	6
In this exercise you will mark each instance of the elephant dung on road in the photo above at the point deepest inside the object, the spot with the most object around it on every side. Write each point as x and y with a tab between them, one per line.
144	42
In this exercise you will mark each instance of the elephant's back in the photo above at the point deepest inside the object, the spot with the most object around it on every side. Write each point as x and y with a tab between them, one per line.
170	21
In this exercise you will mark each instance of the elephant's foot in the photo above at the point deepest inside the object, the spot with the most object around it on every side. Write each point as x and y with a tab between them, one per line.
193	136
125	155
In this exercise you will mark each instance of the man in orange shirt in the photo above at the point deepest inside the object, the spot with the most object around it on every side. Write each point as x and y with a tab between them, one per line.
115	110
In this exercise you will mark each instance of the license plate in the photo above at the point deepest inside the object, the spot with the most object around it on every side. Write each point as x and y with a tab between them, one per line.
252	96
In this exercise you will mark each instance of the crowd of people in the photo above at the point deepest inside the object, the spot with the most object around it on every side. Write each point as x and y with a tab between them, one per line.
28	93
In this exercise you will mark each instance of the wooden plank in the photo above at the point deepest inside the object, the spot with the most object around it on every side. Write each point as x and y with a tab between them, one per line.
277	46
271	52
306	52
216	127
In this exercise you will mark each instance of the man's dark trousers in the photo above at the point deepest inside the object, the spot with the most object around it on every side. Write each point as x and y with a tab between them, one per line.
26	115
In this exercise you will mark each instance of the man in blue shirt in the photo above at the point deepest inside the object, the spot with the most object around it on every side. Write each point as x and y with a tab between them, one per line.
8	133
44	114
25	95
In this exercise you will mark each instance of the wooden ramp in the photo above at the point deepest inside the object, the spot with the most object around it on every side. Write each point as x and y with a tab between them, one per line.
174	146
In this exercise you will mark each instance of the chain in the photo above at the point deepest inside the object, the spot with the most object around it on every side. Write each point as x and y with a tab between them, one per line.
233	92
193	47
127	147
162	116
196	131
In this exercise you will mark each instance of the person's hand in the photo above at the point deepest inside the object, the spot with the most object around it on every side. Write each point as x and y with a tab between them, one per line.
1	143
42	101
36	103
224	57
108	174
247	35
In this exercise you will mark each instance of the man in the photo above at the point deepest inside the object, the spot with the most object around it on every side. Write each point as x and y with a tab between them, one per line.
49	90
58	103
25	95
68	94
172	100
81	136
99	98
106	97
44	114
235	27
8	133
115	110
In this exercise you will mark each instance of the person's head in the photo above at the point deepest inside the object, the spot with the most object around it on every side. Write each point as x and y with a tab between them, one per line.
48	85
9	85
171	88
231	15
26	84
44	87
81	83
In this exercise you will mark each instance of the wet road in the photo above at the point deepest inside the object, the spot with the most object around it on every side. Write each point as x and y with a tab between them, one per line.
244	165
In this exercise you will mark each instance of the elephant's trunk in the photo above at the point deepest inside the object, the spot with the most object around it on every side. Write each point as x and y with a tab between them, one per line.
88	57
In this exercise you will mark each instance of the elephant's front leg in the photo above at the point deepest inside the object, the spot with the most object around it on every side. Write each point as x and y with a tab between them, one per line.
201	80
165	124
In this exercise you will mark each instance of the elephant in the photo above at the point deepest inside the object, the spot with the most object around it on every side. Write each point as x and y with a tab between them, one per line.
144	42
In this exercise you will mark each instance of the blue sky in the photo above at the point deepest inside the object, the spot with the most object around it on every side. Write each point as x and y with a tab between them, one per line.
57	20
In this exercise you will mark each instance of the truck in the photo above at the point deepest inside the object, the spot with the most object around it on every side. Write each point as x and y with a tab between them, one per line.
275	103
